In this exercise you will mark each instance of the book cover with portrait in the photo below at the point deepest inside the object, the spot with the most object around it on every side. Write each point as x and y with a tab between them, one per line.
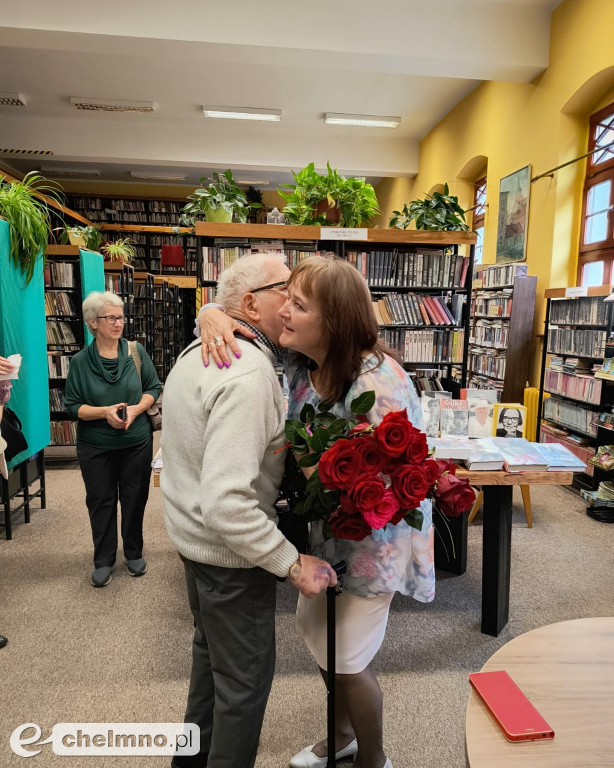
509	420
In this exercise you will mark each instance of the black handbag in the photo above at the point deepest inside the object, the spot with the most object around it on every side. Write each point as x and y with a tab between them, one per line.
10	429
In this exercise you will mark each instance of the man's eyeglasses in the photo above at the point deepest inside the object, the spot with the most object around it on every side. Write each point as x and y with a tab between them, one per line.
281	286
112	319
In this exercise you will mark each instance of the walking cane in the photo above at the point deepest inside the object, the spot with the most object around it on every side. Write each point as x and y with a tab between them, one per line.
331	594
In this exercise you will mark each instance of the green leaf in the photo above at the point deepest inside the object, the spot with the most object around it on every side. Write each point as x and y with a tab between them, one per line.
363	403
291	429
320	439
414	518
308	413
309	460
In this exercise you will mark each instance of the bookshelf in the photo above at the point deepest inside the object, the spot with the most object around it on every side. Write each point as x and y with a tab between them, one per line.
571	397
418	281
70	274
149	223
144	310
502	308
119	278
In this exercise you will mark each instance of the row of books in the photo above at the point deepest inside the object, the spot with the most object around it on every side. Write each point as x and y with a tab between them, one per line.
585	310
419	309
59	274
511	454
217	258
488	362
56	400
120	283
494	304
602	497
480	415
60	332
429	268
498	276
58	303
491	333
576	341
570	415
58	364
427	380
63	432
577	444
579	387
435	346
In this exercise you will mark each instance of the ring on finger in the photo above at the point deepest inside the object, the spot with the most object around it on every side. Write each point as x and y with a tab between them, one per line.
211	345
218	341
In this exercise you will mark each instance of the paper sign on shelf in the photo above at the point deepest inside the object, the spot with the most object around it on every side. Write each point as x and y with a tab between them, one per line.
580	290
342	233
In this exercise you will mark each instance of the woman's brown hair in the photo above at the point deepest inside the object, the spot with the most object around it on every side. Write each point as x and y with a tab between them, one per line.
350	327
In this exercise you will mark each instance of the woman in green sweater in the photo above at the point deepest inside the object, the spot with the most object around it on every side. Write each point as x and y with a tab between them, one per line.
105	393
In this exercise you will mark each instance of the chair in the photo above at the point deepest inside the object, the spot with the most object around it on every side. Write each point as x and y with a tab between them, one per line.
526	499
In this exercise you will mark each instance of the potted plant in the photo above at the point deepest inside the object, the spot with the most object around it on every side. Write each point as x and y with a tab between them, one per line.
218	199
25	209
439	211
119	250
88	237
328	200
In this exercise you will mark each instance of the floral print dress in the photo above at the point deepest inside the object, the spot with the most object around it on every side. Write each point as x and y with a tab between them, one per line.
397	558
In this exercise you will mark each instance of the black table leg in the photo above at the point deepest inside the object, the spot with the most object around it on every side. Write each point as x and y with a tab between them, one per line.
496	557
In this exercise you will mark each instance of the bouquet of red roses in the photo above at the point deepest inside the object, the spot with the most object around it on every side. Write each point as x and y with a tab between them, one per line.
366	476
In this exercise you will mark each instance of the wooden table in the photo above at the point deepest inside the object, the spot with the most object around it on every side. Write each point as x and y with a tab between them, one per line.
567	672
497	537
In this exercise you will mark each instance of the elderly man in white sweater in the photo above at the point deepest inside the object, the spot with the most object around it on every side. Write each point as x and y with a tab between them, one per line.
221	435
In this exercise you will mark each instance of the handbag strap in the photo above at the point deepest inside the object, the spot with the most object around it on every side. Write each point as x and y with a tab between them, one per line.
136	358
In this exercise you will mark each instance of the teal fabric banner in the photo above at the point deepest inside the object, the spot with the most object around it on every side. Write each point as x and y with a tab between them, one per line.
92	279
23	330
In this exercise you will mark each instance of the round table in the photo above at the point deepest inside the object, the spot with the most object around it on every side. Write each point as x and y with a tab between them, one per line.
567	672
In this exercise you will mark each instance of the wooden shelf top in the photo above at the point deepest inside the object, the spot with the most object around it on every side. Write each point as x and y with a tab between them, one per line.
499	477
595	290
150	228
291	232
62	250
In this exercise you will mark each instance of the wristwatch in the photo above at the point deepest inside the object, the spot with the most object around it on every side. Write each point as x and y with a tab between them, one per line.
294	571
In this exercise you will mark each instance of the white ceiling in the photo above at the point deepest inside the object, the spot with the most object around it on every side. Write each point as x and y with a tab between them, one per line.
410	58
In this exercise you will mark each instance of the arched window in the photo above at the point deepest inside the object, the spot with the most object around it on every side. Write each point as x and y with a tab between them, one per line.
595	263
479	214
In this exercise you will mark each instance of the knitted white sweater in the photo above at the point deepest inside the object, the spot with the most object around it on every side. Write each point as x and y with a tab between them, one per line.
221	476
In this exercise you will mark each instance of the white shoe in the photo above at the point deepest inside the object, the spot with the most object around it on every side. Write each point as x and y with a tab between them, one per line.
307	759
387	764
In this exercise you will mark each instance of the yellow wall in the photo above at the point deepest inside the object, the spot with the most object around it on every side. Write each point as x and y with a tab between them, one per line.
542	124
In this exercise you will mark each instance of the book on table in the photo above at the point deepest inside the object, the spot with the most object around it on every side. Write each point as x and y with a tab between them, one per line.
456	449
519	455
484	456
559	458
454	418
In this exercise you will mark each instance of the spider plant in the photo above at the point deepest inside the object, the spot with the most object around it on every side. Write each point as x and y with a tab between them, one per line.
23	205
120	250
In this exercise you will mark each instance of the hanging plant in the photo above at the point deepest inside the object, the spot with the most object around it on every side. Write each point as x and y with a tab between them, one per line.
120	250
439	211
28	217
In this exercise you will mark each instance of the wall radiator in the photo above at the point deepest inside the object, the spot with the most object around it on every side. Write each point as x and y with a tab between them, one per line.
531	401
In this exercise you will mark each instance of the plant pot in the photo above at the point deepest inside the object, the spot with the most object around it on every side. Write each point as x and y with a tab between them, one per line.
333	214
218	215
76	239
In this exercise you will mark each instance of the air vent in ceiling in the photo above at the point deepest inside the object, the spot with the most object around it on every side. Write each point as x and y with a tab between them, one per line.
157	176
69	171
12	100
104	105
25	152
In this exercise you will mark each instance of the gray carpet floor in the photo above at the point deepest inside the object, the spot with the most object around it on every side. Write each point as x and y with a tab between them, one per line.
122	653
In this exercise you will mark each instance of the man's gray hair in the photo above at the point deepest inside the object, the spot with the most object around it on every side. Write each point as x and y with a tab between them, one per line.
241	277
95	301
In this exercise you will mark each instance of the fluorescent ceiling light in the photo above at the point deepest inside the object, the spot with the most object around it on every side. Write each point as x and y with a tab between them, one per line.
243	113
157	176
368	121
104	105
12	100
253	182
69	171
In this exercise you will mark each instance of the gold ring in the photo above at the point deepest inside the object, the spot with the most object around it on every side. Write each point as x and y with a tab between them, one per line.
218	341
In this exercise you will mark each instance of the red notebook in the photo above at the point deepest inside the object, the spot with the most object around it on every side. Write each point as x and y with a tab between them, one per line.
509	707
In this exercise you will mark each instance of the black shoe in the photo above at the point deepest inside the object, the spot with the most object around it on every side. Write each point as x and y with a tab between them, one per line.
3	641
190	761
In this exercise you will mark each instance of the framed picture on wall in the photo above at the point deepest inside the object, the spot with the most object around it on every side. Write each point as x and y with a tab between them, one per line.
513	216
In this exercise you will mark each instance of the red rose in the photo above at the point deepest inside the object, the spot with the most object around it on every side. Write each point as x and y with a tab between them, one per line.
446	466
366	493
348	526
385	511
359	428
393	433
410	483
338	467
417	449
454	496
433	470
369	456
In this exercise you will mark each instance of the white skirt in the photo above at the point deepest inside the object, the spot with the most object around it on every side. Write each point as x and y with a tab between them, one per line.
360	629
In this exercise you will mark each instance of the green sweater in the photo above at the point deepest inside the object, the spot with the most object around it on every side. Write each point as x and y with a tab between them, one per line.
96	381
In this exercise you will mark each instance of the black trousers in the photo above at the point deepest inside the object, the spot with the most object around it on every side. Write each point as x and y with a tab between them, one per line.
233	659
110	476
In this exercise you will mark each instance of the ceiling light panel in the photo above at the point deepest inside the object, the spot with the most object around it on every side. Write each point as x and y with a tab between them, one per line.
157	176
365	121
104	105
12	100
253	182
243	113
48	171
